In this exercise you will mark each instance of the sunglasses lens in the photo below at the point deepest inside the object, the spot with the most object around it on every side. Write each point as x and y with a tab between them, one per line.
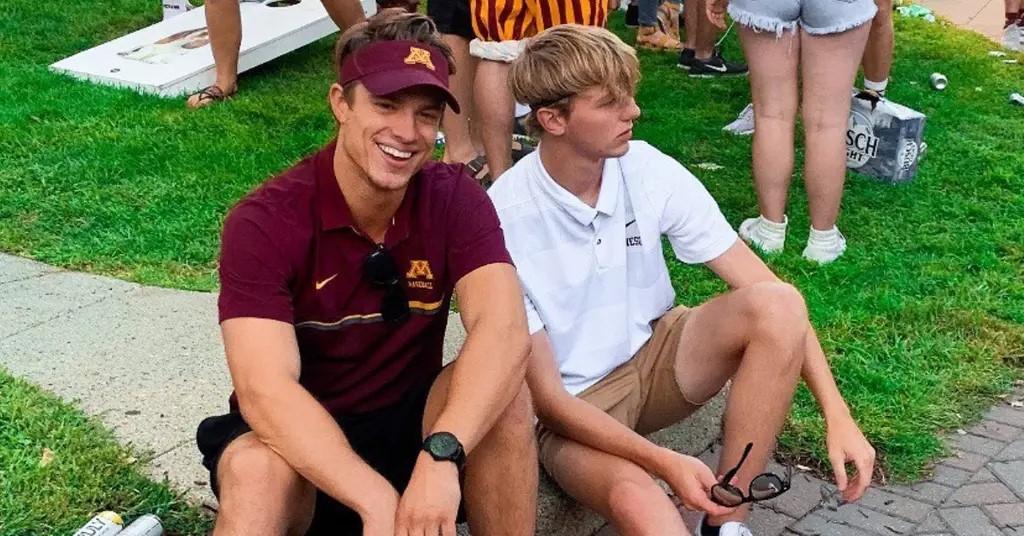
766	487
380	268
726	495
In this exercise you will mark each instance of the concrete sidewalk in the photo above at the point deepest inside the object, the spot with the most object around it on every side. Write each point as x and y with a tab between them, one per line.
982	16
148	362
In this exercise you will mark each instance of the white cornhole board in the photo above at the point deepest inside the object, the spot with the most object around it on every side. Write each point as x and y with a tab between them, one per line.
173	57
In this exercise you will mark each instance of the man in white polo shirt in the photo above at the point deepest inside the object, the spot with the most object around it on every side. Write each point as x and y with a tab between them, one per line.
583	218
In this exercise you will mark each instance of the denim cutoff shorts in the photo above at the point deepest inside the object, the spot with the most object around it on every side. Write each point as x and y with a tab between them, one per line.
816	17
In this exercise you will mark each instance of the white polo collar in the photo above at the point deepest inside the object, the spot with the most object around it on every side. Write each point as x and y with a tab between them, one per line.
607	198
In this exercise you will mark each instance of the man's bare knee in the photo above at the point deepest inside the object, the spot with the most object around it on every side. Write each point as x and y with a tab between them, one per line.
253	477
778	312
630	503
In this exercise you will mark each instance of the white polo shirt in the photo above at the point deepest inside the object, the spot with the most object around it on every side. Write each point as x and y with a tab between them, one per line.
595	277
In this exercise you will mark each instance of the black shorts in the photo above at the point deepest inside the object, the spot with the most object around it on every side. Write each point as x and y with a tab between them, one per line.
388	439
451	17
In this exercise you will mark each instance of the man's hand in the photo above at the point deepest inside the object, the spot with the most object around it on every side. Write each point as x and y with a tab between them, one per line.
379	519
691	481
716	12
430	503
846	443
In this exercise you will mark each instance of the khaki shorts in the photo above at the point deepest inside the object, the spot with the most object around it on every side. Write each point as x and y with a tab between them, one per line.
643	392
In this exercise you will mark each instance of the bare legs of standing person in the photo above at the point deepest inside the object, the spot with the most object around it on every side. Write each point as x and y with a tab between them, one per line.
828	65
878	53
496	108
459	143
1013	26
224	22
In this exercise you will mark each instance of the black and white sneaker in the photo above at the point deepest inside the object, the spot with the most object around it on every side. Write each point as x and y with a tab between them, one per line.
632	15
686	59
715	67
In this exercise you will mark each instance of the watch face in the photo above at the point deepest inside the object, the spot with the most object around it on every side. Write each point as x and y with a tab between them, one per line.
443	445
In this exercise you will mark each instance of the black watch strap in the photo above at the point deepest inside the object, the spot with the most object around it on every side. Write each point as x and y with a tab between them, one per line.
444	446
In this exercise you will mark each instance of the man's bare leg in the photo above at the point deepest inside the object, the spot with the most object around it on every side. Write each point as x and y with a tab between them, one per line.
877	61
500	485
260	494
224	23
495	109
619	490
458	141
344	13
757	336
704	34
692	15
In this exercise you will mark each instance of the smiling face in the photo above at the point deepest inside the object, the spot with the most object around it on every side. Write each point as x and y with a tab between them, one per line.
598	125
388	139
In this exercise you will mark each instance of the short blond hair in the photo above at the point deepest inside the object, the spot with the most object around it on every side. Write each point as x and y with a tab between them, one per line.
566	60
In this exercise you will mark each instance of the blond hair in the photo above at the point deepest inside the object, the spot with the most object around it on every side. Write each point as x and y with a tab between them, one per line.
566	60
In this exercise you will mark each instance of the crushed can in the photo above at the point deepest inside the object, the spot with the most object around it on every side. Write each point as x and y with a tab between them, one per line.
147	525
883	138
103	524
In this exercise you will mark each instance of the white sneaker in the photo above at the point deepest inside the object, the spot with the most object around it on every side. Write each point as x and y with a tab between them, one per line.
824	247
1013	37
743	125
729	528
766	235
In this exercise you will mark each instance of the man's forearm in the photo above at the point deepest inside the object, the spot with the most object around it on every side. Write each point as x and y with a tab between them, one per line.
486	376
818	375
295	426
586	424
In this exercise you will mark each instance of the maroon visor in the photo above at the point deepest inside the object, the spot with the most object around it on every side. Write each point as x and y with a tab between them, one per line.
386	67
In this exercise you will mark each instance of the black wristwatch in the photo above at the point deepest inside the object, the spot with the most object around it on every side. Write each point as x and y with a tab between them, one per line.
443	446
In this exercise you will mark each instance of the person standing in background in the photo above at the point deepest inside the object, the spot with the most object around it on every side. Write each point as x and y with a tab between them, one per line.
877	60
224	21
1013	27
807	45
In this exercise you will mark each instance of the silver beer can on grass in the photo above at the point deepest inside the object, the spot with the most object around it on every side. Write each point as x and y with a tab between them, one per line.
103	524
939	81
147	525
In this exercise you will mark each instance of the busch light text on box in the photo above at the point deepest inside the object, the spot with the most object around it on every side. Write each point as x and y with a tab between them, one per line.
883	139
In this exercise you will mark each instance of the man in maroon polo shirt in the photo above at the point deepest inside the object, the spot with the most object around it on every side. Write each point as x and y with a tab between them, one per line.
336	278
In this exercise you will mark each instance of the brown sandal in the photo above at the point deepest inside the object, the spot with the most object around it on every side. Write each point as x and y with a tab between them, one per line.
209	95
656	39
479	170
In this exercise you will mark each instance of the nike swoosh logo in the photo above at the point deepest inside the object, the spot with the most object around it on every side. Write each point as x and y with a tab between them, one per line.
631	222
320	284
721	69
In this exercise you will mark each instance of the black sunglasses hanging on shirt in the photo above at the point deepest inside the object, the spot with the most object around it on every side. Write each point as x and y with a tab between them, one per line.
379	268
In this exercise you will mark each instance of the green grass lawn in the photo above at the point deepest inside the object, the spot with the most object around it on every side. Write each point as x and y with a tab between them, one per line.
921	317
89	472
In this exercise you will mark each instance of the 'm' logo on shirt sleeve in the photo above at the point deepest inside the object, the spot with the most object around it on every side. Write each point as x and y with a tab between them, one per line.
420	270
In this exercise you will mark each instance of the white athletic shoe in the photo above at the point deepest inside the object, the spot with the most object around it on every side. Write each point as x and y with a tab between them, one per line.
766	235
824	247
743	125
1013	37
729	528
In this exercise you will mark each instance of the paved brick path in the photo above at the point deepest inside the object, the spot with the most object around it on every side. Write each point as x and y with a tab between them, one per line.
978	491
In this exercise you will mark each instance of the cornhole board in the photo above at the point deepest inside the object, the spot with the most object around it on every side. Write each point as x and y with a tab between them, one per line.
173	57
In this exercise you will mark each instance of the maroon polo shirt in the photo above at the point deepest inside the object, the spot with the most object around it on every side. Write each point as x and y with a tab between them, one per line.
290	252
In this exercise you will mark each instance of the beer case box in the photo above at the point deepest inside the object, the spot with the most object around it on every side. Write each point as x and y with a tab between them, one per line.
173	57
883	139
